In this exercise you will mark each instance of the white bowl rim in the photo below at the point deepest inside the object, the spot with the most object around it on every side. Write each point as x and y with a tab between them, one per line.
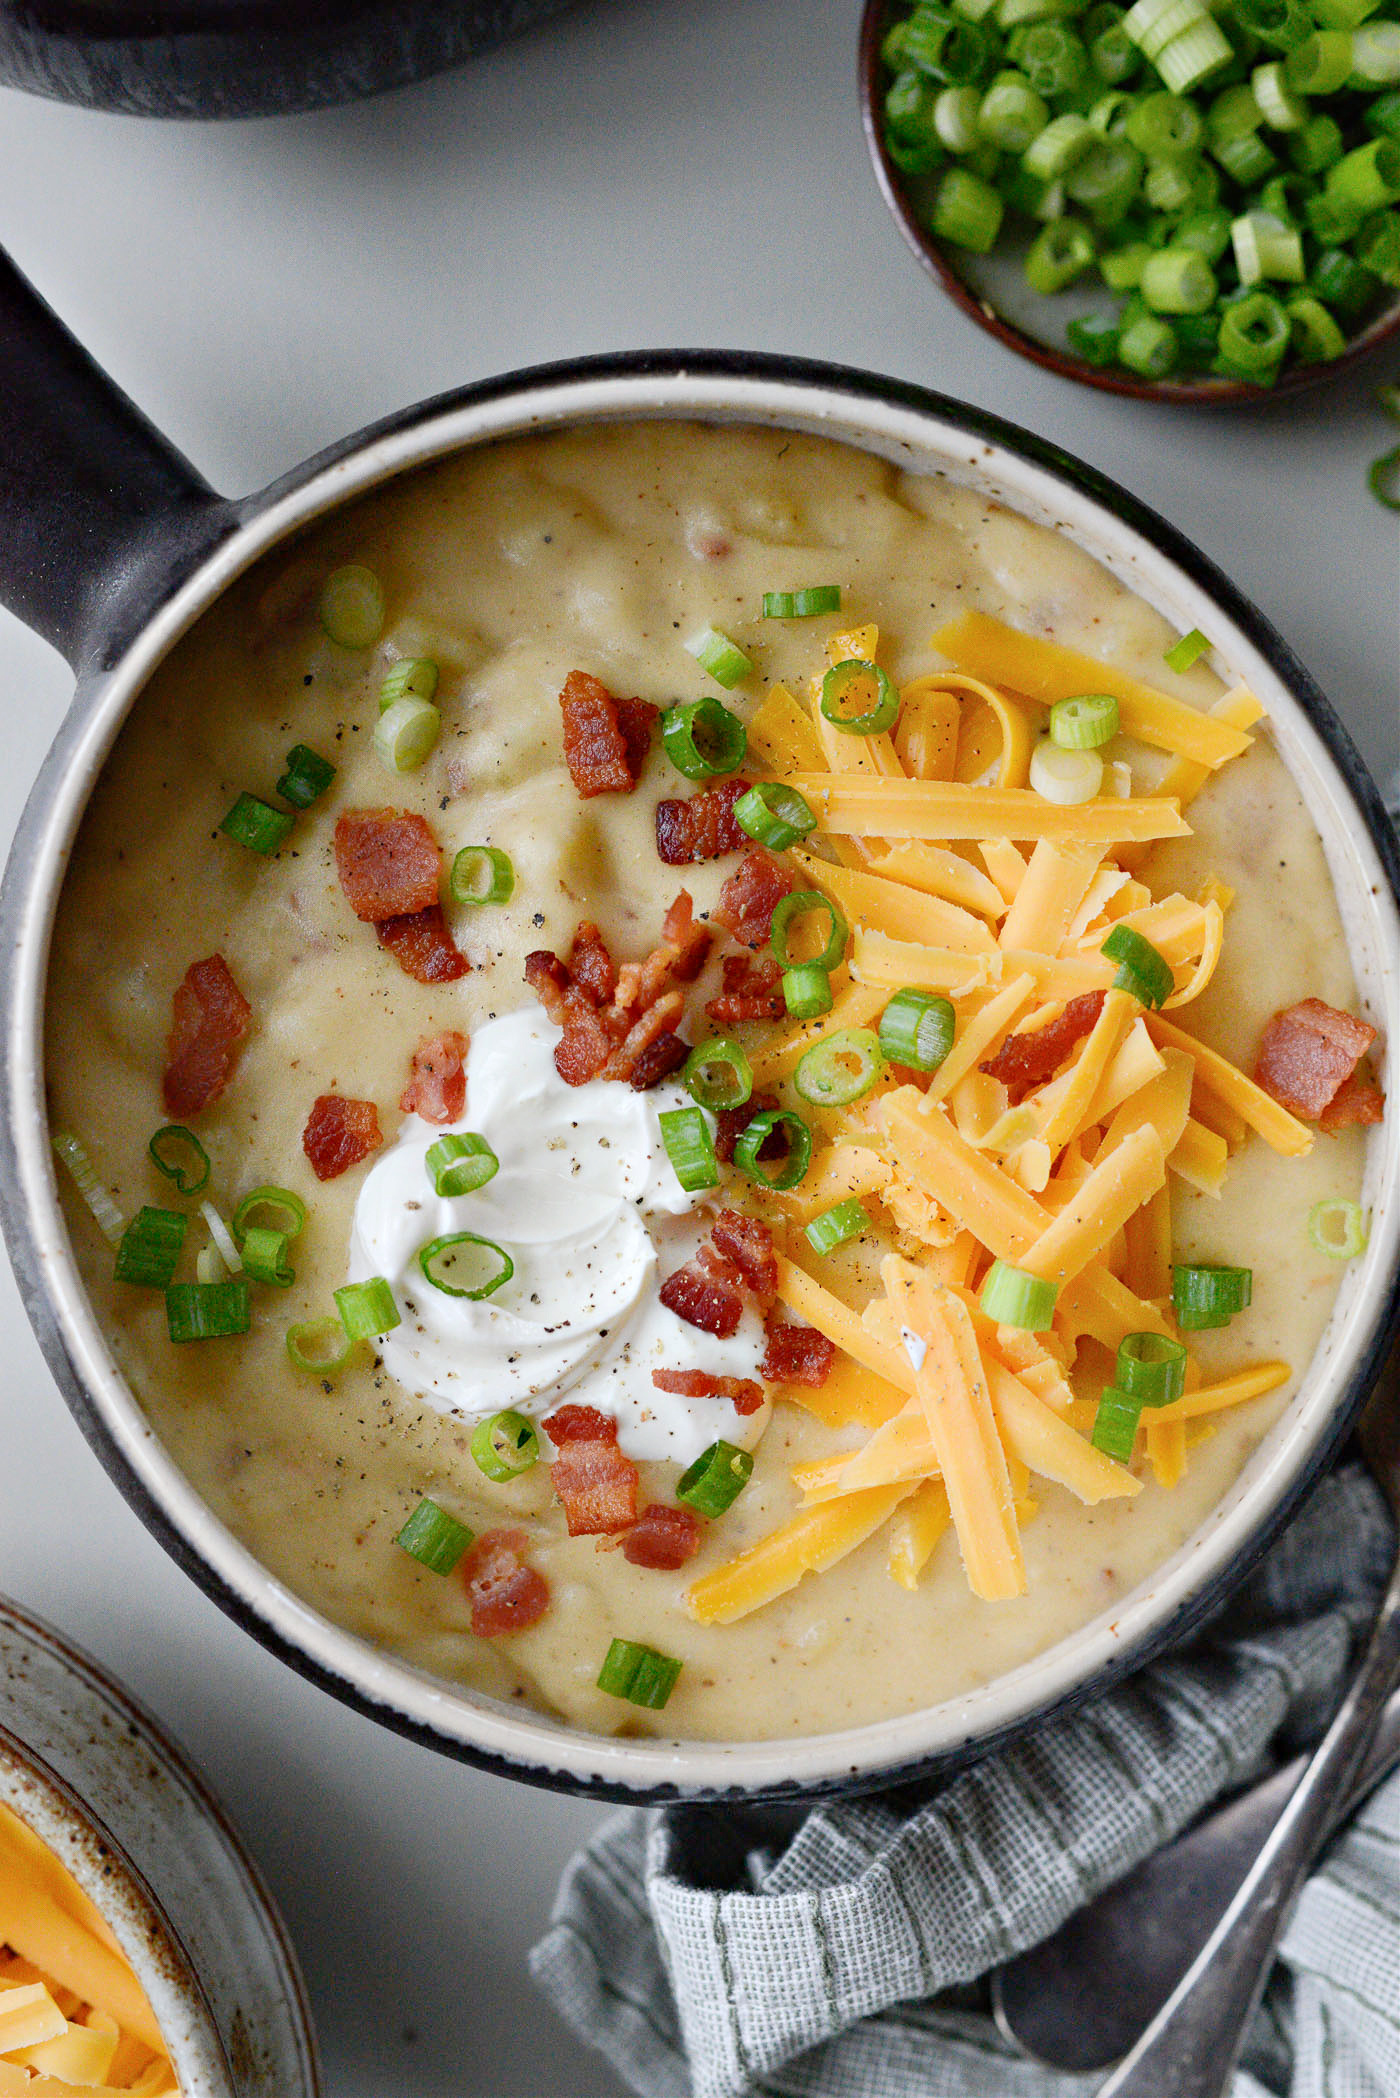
921	430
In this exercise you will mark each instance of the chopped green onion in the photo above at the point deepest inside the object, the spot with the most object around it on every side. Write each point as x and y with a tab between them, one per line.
1094	338
716	1479
461	1163
210	1266
638	1673
1282	109
1367	178
1013	1297
1012	114
1254	335
806	991
412	677
1178	280
1265	247
798	905
1053	151
1051	56
74	1154
690	1148
802	604
206	1310
1105	182
703	738
406	733
306	778
1319	66
505	1446
840	1068
955	118
835	1226
481	874
352	606
1345	286
288	1211
1208	232
437	1257
917	1029
1059	253
1375	54
265	1256
1066	777
224	1243
1246	160
1378	247
1383	478
1147	346
774	815
1116	1424
252	823
1151	1367
1338	1228
1143	970
1165	127
150	1248
1084	723
1282	23
722	658
789	1171
966	210
1122	268
1193	55
1316	337
858	698
320	1347
178	1153
1188	650
1208	1295
717	1074
434	1538
367	1308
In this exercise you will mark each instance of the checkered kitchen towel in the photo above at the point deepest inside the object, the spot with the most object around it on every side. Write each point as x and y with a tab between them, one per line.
720	1953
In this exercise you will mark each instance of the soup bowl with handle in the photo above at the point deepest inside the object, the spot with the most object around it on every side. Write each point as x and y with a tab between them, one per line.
112	546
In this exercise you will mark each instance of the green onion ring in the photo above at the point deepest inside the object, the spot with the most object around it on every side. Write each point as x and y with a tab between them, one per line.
797	906
189	1176
289	1211
703	738
791	1170
505	1446
442	1248
825	1075
873	693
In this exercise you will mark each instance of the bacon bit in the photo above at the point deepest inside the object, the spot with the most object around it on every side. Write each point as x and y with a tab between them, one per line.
1356	1101
506	1594
706	1293
663	1538
690	941
752	990
595	1482
796	1354
664	1017
587	1045
701	828
1025	1061
679	958
748	1244
748	898
339	1133
549	980
1308	1053
605	738
731	1122
590	965
657	1061
437	1079
423	947
699	1384
209	1018
388	862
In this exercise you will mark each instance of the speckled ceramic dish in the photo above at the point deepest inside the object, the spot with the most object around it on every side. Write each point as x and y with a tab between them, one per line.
112	546
95	1778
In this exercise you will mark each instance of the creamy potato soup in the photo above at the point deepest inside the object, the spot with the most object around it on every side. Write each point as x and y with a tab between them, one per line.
1055	1262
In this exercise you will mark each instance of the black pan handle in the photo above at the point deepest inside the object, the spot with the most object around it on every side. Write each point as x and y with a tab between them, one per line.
99	516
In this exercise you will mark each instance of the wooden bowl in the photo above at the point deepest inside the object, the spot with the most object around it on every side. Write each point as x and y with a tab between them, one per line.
958	277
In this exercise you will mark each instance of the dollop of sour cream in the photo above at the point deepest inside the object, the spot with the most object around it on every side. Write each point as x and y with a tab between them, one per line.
589	1208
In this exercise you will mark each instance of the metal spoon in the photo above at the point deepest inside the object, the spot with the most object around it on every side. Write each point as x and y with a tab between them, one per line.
1082	1998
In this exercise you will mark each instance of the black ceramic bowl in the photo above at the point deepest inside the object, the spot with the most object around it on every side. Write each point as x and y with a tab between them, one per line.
111	545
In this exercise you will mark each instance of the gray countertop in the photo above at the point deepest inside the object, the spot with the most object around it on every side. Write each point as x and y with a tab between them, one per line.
675	172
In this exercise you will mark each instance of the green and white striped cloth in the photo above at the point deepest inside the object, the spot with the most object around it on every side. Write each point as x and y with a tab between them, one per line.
724	1953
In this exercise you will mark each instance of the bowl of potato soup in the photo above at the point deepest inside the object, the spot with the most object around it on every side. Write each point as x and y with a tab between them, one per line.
697	1062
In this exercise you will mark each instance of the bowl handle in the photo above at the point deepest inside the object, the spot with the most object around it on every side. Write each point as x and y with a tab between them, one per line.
99	516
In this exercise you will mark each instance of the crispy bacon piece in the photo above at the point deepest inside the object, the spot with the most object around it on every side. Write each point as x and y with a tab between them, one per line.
748	1245
1025	1061
747	900
700	1384
1308	1053
731	1122
339	1133
590	965
690	941
657	1061
423	947
1357	1100
752	990
437	1079
549	980
662	1017
677	958
663	1538
388	862
707	1293
701	828
506	1594
605	738
209	1017
587	1045
796	1354
595	1482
